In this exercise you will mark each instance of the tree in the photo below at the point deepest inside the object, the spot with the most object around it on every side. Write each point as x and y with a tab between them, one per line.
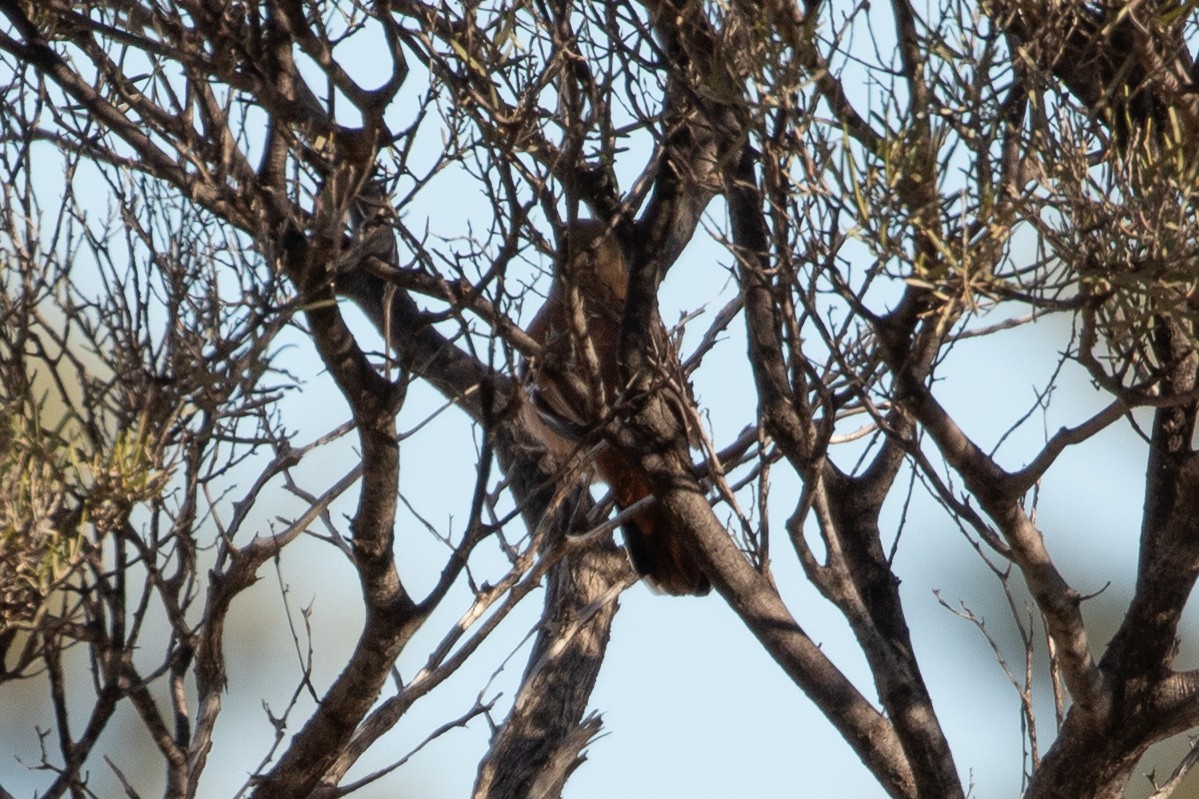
890	187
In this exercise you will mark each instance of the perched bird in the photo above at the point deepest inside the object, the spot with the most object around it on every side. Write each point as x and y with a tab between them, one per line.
576	381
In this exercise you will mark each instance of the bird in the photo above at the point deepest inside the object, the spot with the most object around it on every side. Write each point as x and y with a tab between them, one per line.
576	380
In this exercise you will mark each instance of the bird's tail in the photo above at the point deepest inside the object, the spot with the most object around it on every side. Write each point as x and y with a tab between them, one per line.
659	551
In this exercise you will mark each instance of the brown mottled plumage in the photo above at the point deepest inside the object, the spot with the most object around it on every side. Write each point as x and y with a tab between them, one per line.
578	377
